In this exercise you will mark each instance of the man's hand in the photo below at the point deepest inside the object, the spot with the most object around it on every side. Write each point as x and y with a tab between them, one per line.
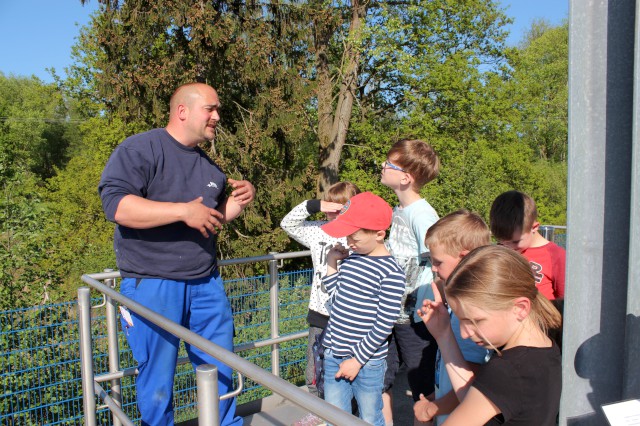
435	314
243	191
349	369
204	219
424	409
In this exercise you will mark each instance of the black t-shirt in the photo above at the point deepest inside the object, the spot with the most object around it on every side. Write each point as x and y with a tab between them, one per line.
525	384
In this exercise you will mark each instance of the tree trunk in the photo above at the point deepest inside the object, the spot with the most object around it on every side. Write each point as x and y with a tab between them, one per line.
334	124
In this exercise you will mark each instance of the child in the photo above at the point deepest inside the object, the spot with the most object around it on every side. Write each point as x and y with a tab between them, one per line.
493	294
365	293
309	234
513	221
449	240
410	165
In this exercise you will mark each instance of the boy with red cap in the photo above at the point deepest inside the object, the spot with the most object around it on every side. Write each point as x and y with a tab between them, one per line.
366	292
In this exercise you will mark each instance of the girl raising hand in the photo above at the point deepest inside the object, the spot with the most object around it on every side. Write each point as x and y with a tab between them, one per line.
493	293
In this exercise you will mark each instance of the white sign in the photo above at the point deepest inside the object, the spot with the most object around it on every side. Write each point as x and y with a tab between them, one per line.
625	413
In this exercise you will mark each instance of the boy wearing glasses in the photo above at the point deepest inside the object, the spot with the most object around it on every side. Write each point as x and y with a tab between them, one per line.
410	165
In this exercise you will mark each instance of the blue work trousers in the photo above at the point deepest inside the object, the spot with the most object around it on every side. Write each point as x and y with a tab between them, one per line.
201	306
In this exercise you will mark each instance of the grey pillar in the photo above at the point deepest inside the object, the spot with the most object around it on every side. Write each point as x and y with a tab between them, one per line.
601	100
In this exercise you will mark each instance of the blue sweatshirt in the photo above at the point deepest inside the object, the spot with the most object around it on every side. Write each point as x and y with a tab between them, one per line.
155	166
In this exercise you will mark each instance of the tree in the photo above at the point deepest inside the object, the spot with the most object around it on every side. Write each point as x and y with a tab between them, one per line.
35	134
541	82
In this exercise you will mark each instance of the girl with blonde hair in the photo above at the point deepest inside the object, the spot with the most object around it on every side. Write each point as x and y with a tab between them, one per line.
493	293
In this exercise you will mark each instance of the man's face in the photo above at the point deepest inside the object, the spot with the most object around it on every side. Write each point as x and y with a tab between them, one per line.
442	263
203	114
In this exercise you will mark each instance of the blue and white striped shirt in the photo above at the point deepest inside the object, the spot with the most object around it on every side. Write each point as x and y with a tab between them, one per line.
366	297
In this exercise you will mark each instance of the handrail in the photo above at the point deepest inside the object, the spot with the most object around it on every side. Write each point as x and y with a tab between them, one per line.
270	381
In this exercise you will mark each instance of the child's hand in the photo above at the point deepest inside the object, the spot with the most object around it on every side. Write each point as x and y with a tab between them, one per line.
349	369
337	252
435	314
329	207
424	409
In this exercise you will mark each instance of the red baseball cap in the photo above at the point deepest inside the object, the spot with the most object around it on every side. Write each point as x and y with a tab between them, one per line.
363	211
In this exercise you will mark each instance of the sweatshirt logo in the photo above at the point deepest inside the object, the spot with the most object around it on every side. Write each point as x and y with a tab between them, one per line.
212	185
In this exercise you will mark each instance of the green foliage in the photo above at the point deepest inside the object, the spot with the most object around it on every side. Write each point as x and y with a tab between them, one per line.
432	70
34	137
541	86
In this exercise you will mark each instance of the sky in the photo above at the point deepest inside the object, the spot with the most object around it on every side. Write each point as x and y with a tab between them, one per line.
38	34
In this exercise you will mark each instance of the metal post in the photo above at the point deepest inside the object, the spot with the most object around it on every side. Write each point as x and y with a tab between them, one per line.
547	232
601	71
208	395
631	379
112	347
275	318
86	356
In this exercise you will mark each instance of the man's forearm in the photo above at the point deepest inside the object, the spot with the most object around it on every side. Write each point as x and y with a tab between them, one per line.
140	213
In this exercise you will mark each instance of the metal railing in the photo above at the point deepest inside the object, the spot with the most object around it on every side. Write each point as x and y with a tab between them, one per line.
207	393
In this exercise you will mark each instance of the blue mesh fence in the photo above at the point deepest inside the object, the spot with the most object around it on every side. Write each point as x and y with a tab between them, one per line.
40	363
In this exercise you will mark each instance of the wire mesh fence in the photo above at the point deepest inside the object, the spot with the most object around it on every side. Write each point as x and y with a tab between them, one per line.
40	363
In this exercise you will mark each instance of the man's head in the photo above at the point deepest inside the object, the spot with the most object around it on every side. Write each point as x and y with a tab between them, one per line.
513	220
363	220
340	193
452	237
412	162
193	114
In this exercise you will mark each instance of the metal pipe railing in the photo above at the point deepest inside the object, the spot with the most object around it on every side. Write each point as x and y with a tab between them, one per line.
270	381
112	347
208	394
289	391
275	315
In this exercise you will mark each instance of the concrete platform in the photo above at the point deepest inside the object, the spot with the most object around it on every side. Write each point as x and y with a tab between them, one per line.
277	411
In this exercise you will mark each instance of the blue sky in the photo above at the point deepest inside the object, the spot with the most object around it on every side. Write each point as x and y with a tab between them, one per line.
38	34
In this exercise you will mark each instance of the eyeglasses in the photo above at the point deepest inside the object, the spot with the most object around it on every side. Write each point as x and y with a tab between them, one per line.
388	165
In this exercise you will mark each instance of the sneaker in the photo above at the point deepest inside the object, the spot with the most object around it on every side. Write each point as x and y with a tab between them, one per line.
309	420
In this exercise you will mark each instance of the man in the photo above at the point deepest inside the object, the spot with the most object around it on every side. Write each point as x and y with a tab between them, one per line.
168	201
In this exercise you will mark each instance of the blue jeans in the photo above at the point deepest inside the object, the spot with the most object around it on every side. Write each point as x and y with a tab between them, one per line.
201	306
366	388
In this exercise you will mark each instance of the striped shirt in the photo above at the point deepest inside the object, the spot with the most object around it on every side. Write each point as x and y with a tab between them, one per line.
366	296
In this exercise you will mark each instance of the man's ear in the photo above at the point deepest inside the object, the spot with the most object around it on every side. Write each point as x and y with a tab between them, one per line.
463	253
380	235
183	110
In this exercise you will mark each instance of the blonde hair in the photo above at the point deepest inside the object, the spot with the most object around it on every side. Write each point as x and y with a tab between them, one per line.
341	192
512	212
417	158
459	231
492	277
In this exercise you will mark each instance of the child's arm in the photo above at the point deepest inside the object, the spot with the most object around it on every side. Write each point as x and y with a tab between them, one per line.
302	230
475	409
330	280
336	253
436	317
426	409
387	312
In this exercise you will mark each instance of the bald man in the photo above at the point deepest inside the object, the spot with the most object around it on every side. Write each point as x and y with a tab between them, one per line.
168	200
